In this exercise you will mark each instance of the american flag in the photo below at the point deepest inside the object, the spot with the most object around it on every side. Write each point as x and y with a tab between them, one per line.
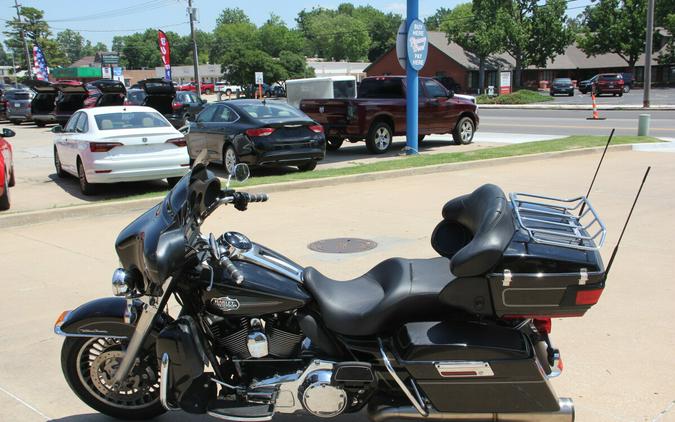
40	64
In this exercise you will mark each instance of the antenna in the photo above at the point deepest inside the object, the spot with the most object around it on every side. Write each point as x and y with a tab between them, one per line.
630	214
611	135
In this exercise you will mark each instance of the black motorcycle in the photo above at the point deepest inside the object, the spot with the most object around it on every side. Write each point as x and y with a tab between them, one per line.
463	336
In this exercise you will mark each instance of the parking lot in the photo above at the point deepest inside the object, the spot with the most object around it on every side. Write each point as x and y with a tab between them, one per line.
618	358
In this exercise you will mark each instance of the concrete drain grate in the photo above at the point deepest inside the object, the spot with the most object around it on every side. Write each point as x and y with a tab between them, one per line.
342	245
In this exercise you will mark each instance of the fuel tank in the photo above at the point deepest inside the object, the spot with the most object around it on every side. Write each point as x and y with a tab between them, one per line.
263	292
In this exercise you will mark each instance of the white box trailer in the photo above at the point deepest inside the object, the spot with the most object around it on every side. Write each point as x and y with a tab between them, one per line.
328	87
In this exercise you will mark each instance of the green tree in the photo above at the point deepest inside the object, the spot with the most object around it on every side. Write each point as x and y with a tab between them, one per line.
276	37
73	44
615	26
140	50
296	65
382	29
5	59
471	25
433	22
241	70
232	15
534	33
36	31
338	36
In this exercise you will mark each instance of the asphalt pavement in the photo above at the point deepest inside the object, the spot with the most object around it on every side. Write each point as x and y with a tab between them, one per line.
618	358
573	122
658	96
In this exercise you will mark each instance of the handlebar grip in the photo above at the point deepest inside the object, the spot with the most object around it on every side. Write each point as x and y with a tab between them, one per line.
253	197
234	273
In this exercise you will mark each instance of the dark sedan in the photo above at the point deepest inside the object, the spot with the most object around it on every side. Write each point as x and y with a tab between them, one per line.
562	86
186	105
259	133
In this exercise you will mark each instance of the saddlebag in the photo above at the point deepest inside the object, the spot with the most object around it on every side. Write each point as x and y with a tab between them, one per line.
474	368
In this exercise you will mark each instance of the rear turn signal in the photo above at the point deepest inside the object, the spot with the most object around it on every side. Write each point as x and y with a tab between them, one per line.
264	131
316	128
588	297
179	142
103	146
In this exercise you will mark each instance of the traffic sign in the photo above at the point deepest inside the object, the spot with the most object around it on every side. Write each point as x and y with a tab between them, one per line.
259	78
110	58
417	42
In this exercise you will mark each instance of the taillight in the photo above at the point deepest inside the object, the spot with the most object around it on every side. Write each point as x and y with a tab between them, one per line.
103	146
316	128
543	325
264	131
588	297
179	142
176	105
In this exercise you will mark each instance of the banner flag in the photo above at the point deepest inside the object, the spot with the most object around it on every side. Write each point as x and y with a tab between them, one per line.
165	51
40	69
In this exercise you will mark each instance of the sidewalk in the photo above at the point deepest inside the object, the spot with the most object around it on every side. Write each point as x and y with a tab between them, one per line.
551	106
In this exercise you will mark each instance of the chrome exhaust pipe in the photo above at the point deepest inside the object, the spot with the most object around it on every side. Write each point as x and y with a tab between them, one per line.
565	414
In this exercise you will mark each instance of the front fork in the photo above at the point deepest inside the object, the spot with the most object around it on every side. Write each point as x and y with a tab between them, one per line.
146	321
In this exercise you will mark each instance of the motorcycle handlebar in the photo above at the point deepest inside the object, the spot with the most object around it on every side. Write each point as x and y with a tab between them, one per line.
253	197
234	273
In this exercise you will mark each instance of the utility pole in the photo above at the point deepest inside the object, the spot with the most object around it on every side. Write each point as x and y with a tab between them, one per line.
648	54
23	38
195	54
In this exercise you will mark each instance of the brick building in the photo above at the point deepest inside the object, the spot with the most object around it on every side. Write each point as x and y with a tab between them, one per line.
450	60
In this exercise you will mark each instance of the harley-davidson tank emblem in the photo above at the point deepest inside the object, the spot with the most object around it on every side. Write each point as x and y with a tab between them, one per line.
226	304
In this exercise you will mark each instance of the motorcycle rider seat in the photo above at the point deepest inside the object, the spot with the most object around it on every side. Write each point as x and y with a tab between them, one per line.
395	291
475	231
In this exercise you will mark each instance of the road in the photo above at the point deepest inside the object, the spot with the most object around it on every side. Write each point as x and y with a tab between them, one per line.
662	96
618	358
573	122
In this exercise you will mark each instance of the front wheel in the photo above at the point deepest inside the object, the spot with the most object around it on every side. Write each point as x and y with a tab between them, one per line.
89	365
464	131
4	198
379	138
172	181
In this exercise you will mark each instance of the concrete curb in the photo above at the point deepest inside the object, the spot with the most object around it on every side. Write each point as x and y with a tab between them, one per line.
546	106
118	207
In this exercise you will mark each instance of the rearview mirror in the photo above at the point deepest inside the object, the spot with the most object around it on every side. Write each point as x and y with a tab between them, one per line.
204	101
241	172
8	133
57	129
451	93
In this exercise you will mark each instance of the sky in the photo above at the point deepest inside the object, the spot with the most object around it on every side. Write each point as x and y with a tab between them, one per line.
101	20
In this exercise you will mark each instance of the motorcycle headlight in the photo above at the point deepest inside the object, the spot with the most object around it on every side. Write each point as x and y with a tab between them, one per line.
120	287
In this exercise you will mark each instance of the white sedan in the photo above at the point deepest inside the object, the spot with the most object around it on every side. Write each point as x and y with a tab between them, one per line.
119	144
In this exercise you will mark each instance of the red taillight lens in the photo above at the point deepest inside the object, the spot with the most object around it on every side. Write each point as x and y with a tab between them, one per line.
543	325
179	142
316	128
264	131
588	297
176	105
103	146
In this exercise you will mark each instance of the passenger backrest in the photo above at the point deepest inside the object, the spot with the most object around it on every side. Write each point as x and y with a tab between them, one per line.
475	231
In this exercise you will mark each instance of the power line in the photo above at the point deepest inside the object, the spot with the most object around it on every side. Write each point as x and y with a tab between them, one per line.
149	5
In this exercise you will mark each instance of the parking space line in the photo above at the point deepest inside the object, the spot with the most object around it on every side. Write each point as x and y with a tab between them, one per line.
47	418
664	412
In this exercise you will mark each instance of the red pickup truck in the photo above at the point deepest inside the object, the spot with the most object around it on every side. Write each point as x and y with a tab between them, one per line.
379	113
207	87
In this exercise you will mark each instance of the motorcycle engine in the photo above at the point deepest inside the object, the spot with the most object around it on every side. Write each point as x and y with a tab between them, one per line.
242	338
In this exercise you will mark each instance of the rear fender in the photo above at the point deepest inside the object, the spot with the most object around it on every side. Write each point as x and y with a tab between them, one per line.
106	317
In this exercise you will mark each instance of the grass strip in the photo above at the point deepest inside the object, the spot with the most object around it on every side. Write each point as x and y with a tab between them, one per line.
524	96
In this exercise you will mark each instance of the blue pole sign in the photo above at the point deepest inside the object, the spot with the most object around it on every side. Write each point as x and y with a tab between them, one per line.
418	44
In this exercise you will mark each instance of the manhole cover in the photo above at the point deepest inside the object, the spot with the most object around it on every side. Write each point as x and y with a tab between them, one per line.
342	245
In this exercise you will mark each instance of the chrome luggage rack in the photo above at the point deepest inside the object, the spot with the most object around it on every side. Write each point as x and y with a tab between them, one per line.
569	223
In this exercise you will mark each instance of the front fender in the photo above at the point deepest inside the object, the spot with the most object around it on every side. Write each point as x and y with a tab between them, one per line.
103	317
